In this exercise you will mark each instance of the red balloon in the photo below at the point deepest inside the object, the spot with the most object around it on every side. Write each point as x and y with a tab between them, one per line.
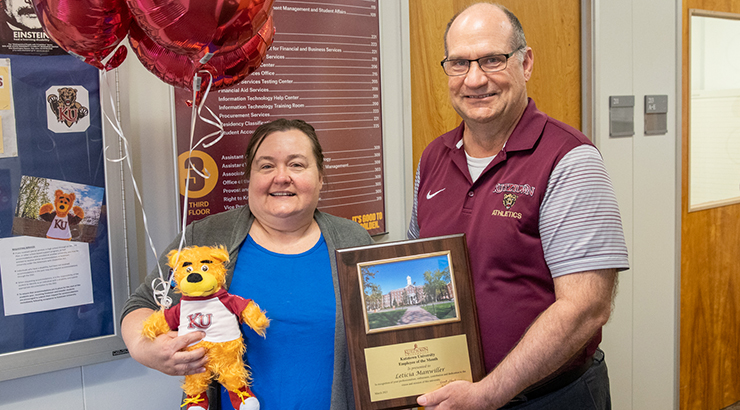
201	28
170	67
225	69
232	67
89	29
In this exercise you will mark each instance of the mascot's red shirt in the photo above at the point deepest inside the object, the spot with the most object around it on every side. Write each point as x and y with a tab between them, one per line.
217	315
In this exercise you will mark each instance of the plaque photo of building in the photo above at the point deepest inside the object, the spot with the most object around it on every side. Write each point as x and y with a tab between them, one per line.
408	292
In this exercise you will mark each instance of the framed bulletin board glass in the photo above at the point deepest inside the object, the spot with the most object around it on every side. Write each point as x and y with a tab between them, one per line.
63	271
714	119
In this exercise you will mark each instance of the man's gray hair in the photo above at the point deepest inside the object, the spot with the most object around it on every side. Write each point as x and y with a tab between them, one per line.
517	40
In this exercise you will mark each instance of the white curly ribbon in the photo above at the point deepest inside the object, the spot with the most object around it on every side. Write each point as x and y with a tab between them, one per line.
161	284
216	135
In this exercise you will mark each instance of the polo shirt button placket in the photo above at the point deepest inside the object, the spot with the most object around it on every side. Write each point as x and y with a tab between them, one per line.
469	201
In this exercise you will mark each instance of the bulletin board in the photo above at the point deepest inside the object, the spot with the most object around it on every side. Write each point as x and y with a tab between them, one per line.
63	271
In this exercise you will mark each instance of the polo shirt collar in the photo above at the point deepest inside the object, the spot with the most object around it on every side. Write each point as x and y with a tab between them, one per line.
526	133
529	129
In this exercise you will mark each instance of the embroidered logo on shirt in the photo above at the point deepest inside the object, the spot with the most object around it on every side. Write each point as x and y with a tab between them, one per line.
509	200
525	189
431	195
506	214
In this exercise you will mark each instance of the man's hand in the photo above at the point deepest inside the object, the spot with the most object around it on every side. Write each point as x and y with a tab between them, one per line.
456	395
582	306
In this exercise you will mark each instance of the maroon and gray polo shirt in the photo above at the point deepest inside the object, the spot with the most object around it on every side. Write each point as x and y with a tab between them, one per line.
542	208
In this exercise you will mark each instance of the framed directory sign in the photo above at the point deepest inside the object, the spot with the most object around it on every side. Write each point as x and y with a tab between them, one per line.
323	67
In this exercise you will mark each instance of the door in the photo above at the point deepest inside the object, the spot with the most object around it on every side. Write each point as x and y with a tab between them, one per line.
710	276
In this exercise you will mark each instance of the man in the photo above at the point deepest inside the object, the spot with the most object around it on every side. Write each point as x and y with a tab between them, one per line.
541	222
21	15
21	32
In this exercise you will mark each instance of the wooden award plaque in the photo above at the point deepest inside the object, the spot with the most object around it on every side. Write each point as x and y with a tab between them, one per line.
410	318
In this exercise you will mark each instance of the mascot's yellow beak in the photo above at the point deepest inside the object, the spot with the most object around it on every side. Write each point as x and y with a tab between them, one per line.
198	282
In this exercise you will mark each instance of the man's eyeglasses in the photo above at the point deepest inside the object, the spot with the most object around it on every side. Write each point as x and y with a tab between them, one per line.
488	64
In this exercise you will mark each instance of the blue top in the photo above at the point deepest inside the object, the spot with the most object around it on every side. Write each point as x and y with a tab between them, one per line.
292	367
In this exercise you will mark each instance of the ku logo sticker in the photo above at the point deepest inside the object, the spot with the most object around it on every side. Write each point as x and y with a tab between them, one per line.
67	109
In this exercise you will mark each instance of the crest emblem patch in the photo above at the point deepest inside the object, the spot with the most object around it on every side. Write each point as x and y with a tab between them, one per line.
509	200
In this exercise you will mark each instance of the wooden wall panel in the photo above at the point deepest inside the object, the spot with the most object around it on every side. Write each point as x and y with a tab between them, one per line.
710	277
553	31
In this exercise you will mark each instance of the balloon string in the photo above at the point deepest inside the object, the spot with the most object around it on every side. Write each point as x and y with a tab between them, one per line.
160	285
217	123
188	168
194	115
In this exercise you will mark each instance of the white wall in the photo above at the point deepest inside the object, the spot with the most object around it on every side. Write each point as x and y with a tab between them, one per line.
635	53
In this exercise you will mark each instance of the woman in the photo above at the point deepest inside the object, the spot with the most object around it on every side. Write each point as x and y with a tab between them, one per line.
282	256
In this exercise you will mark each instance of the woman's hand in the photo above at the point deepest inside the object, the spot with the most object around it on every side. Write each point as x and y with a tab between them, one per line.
167	352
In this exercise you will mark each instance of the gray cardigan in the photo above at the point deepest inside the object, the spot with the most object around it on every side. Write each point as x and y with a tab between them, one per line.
230	228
